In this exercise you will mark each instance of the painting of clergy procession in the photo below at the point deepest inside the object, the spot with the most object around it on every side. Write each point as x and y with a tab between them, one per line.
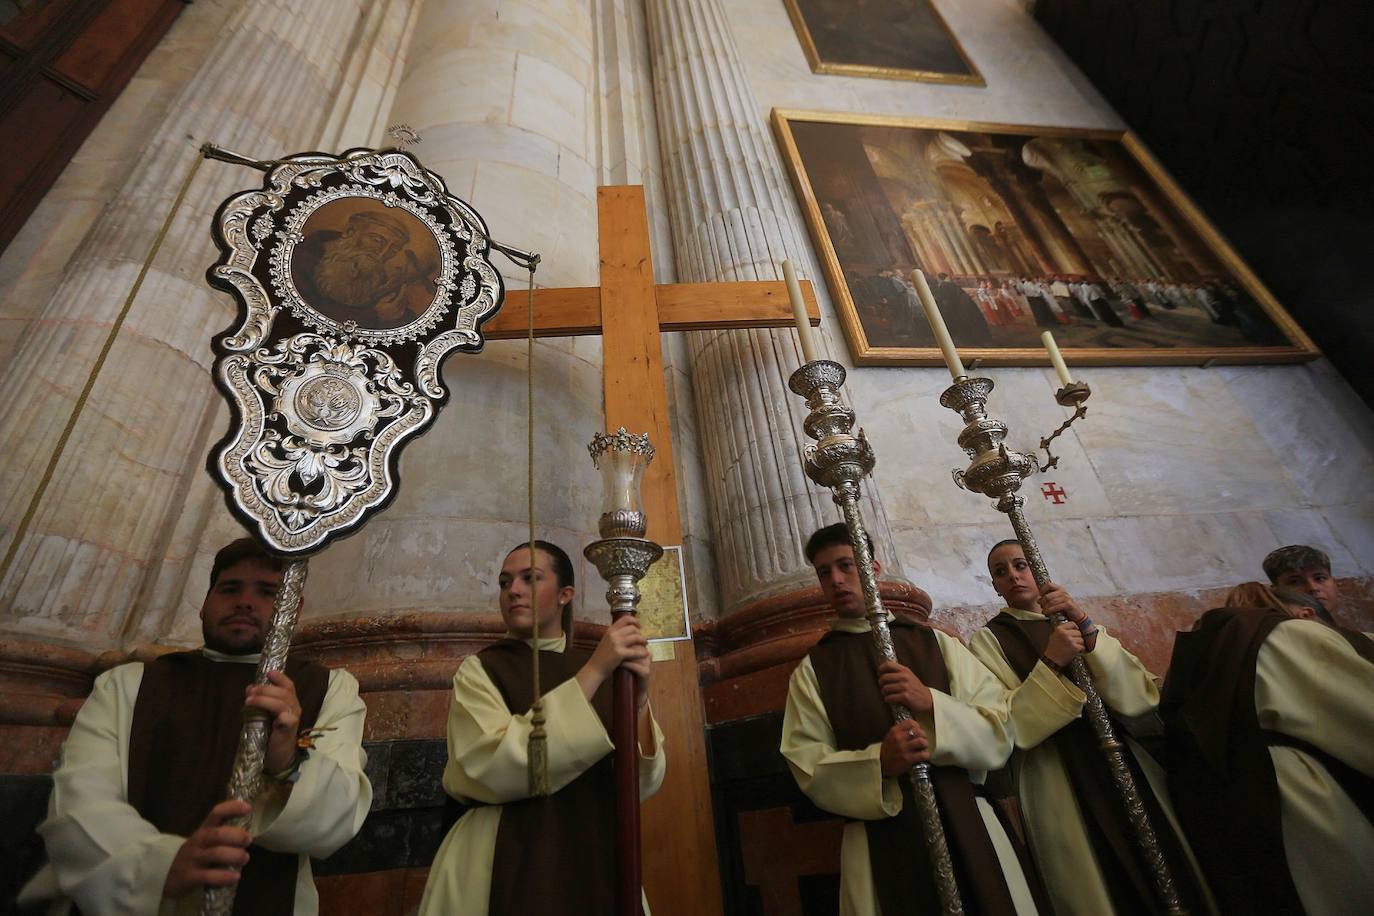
885	39
1022	230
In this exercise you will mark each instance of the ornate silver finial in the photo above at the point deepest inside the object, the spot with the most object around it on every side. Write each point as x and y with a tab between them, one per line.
620	441
403	134
622	458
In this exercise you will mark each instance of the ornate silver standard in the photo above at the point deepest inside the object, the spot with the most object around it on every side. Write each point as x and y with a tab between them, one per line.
839	460
997	472
622	557
356	276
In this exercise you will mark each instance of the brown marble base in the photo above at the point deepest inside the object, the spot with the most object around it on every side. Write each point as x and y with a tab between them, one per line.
404	663
746	658
394	892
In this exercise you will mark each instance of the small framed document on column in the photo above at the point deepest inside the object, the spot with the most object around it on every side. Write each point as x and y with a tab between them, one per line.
663	604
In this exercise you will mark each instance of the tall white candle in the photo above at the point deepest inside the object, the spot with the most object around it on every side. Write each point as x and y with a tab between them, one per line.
804	333
937	324
1056	358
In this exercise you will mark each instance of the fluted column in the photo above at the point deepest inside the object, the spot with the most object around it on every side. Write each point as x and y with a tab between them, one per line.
96	483
503	98
733	218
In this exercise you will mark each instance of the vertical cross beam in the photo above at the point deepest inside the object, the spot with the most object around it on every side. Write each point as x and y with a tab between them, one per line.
682	875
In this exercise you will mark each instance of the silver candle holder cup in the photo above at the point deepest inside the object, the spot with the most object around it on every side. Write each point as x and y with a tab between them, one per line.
623	555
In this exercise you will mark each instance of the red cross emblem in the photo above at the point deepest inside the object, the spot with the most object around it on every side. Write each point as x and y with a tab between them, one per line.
1055	492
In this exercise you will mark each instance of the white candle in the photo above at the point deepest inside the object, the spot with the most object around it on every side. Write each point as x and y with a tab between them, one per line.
804	334
1056	358
937	324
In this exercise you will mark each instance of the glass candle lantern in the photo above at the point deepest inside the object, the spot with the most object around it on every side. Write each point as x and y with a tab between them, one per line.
621	458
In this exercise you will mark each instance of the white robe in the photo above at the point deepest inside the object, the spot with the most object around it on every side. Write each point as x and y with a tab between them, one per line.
968	728
1040	706
109	860
487	763
1311	685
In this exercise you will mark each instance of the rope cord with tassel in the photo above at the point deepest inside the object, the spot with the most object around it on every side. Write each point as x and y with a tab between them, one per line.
538	749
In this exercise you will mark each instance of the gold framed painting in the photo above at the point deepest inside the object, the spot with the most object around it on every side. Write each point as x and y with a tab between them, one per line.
1022	230
883	39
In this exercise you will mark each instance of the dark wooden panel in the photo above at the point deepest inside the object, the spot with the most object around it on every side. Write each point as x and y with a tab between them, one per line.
46	113
37	22
69	60
103	48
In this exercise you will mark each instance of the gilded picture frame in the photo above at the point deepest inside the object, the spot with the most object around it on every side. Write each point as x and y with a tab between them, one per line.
1147	279
946	61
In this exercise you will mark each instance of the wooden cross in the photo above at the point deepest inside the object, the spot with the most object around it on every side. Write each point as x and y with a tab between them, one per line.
630	312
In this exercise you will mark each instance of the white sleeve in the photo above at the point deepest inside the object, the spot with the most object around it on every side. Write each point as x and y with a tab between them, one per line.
847	783
104	855
487	758
1311	685
970	725
325	807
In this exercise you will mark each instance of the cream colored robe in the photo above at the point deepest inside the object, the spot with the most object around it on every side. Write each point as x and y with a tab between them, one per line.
968	728
487	763
1311	685
1040	706
109	860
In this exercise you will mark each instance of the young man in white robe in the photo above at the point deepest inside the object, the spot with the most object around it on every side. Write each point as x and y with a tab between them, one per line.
1305	569
849	757
1269	715
137	820
1077	827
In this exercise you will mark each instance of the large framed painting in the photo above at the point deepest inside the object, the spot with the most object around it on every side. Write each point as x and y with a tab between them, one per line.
1022	230
885	39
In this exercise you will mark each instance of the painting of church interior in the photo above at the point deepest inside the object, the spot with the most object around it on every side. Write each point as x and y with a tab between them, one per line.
1019	231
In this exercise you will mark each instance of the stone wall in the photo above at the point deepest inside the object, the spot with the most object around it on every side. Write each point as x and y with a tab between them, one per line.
1178	480
1177	483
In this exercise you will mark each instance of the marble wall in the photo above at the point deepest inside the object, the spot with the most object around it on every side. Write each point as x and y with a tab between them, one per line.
524	108
1179	480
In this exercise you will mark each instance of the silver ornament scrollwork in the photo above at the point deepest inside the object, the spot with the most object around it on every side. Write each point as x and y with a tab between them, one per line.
356	275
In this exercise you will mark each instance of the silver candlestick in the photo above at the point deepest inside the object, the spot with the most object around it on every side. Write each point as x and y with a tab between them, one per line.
623	557
839	460
997	472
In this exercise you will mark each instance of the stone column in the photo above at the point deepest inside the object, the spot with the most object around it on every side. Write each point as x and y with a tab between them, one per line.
96	480
1005	186
1060	235
503	97
958	233
733	218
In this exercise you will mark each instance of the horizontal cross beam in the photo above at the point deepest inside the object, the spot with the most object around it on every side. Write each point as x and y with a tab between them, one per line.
576	311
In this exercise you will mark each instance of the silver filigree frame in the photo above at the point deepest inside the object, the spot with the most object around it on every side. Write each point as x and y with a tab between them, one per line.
321	408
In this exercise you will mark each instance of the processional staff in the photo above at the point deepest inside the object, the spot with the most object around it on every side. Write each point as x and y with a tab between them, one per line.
623	556
324	392
997	472
838	461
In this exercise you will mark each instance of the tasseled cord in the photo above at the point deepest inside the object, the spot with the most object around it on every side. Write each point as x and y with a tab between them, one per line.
537	751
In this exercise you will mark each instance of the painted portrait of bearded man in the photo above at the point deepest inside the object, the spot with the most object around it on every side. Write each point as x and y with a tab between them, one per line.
361	261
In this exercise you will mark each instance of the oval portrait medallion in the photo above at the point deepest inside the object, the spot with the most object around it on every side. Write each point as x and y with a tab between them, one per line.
363	262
